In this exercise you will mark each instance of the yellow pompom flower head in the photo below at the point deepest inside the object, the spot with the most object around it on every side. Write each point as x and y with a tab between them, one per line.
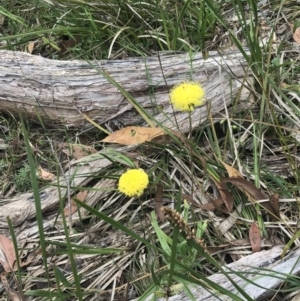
186	96
133	182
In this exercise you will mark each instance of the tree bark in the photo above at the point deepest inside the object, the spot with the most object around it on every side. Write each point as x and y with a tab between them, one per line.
58	92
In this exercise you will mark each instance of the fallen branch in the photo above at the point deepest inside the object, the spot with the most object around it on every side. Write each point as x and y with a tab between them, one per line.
262	281
58	92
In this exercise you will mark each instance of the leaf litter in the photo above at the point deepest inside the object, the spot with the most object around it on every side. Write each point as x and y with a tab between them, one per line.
105	270
182	172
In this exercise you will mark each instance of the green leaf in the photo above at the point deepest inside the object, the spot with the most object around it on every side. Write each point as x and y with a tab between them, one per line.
61	277
153	274
163	239
151	289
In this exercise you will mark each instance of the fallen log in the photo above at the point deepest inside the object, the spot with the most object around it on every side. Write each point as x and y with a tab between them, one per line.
258	283
59	92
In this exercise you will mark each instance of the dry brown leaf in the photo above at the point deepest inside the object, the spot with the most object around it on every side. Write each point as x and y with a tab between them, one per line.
296	35
45	175
255	238
232	172
248	187
68	43
274	201
162	139
77	151
7	253
81	197
30	47
216	204
159	202
226	197
220	205
223	204
133	135
14	296
210	206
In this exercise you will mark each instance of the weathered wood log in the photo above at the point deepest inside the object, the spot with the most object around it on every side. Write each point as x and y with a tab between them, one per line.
262	281
59	91
21	208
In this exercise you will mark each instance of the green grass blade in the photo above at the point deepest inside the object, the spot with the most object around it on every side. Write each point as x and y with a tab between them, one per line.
37	201
119	226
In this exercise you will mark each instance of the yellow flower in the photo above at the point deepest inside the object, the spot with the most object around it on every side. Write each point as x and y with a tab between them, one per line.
187	96
133	182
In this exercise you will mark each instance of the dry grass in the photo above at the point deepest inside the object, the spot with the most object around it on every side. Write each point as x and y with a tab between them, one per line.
97	256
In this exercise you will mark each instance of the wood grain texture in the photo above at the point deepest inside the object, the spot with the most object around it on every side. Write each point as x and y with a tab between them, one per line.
247	266
59	91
